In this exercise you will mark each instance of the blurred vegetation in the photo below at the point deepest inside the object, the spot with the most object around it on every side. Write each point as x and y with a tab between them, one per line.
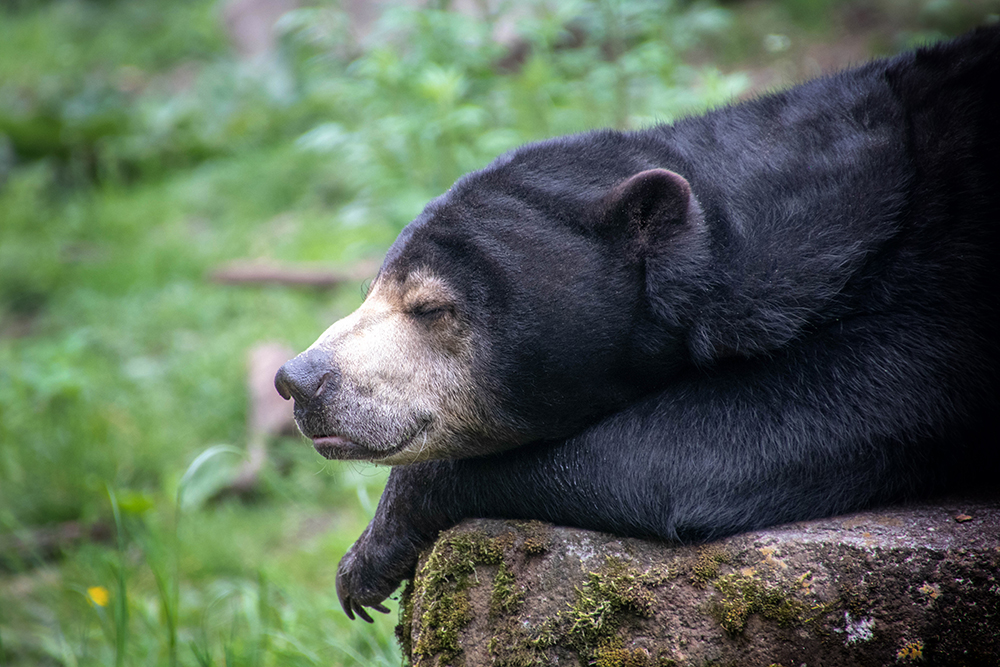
137	152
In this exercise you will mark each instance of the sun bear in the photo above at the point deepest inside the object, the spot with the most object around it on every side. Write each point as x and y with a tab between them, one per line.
782	309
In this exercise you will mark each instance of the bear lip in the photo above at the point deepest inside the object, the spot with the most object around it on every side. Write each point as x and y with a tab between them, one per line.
339	448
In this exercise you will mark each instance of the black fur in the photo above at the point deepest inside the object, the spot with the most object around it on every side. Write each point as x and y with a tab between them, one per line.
814	332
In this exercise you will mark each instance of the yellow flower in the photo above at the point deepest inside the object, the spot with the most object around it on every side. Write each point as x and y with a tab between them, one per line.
98	595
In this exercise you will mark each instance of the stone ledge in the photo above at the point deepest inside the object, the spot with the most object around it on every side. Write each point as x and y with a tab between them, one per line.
918	584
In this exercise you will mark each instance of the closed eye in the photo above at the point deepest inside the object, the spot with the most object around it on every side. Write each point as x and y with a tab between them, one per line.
432	311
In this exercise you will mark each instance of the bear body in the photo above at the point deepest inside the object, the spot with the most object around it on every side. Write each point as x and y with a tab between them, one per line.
779	310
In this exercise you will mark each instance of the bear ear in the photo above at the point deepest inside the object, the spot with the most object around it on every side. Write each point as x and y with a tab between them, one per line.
650	206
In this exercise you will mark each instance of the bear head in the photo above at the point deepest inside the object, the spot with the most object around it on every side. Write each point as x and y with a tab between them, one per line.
514	309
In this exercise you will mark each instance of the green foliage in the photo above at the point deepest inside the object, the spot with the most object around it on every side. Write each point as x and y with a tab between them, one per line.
427	104
69	70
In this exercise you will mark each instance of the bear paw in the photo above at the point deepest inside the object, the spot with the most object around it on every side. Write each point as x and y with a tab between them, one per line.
362	583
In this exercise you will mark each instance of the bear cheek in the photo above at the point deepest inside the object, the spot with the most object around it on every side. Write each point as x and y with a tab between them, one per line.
425	375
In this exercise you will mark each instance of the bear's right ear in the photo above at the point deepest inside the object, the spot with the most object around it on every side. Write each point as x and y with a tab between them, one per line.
651	208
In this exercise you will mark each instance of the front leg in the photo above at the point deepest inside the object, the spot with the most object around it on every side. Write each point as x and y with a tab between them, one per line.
409	516
422	499
547	481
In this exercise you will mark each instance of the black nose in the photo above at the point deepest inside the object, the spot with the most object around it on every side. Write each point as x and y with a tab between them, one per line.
306	376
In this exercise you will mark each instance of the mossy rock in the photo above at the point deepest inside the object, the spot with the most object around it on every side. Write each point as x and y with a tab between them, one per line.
898	586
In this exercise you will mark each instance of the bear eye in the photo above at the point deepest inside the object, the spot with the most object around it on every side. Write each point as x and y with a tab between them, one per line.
432	311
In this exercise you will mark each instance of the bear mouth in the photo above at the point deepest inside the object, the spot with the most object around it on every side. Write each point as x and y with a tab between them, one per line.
339	448
342	448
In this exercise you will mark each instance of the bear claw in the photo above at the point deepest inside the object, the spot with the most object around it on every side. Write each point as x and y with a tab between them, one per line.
354	598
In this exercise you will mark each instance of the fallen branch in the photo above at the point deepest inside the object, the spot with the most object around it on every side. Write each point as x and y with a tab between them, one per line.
262	272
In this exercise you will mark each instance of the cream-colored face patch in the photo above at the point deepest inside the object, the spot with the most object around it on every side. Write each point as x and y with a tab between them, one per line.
404	360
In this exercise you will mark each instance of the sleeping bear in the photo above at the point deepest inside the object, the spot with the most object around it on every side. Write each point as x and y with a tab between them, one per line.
779	310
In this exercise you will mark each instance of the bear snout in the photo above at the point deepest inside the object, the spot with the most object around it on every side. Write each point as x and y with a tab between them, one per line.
307	377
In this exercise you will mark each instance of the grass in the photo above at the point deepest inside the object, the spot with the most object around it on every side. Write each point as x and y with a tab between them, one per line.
136	155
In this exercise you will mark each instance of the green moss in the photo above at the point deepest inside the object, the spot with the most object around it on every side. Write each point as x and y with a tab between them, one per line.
610	593
507	595
442	622
440	593
612	653
537	537
610	596
439	596
743	595
513	645
706	567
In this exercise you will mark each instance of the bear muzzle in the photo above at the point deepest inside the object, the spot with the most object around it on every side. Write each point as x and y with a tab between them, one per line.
338	416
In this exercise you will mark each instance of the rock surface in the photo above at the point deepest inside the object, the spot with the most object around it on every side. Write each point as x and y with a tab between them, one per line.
911	585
